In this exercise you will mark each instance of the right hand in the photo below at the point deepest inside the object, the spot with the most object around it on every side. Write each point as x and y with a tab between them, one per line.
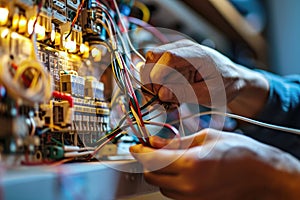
185	71
218	165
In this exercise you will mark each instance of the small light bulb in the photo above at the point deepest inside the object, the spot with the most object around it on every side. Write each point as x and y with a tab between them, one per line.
40	31
4	33
14	35
96	54
30	25
52	37
3	16
71	46
82	48
15	21
22	24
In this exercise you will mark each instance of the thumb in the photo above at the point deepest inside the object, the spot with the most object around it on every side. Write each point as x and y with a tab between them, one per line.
196	139
185	92
159	143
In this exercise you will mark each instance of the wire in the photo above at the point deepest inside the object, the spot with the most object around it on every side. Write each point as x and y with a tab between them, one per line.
126	32
75	18
245	119
118	130
57	163
39	9
180	122
149	28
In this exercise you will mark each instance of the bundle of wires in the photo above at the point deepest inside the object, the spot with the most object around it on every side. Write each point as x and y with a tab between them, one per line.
120	45
125	79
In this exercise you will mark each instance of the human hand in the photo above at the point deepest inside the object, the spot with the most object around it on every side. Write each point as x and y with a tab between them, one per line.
185	71
218	165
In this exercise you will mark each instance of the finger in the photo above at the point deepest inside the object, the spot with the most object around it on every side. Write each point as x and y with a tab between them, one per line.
158	160
154	55
185	142
158	142
171	66
172	45
197	93
167	181
160	55
196	139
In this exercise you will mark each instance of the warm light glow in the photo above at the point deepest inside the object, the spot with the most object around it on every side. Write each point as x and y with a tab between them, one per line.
64	40
57	40
15	21
52	37
4	33
14	35
30	25
3	16
96	52
71	46
40	31
22	24
84	48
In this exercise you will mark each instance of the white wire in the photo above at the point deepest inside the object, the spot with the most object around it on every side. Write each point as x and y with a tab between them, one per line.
126	33
245	119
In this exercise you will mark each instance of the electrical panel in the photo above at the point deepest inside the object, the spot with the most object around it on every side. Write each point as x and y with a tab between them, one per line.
52	105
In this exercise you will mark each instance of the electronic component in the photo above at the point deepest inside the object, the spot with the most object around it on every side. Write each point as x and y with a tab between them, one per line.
75	114
73	4
59	11
51	99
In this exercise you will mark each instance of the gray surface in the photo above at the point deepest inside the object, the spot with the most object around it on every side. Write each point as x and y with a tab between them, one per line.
95	180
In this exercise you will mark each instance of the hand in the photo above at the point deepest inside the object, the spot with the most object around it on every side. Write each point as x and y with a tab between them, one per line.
219	165
185	71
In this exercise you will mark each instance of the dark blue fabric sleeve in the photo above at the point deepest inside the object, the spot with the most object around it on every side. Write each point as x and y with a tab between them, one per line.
282	108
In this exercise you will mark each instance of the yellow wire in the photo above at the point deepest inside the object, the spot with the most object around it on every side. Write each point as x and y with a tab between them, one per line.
145	10
137	119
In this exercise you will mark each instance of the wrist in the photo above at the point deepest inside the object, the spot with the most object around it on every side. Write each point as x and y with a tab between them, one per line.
252	97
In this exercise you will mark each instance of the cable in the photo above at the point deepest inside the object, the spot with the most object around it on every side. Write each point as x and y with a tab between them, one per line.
75	18
39	9
245	119
126	32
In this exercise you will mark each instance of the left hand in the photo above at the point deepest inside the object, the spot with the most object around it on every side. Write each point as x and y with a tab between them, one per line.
216	165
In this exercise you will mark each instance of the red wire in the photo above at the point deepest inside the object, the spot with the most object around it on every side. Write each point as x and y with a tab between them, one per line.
64	96
127	80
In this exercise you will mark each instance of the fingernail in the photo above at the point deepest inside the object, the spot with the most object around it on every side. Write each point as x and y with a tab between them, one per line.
165	94
158	141
132	149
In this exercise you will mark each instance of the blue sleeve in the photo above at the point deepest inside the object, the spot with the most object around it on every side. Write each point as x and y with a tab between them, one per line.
282	108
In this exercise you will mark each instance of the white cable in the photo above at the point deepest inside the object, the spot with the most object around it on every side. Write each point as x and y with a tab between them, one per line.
75	154
252	121
126	34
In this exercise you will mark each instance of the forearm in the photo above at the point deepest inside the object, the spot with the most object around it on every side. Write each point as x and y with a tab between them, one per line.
253	96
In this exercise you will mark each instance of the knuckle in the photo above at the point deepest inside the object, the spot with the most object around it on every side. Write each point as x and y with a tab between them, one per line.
150	55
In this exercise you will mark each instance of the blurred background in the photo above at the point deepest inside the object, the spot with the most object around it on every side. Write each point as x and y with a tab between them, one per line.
261	34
